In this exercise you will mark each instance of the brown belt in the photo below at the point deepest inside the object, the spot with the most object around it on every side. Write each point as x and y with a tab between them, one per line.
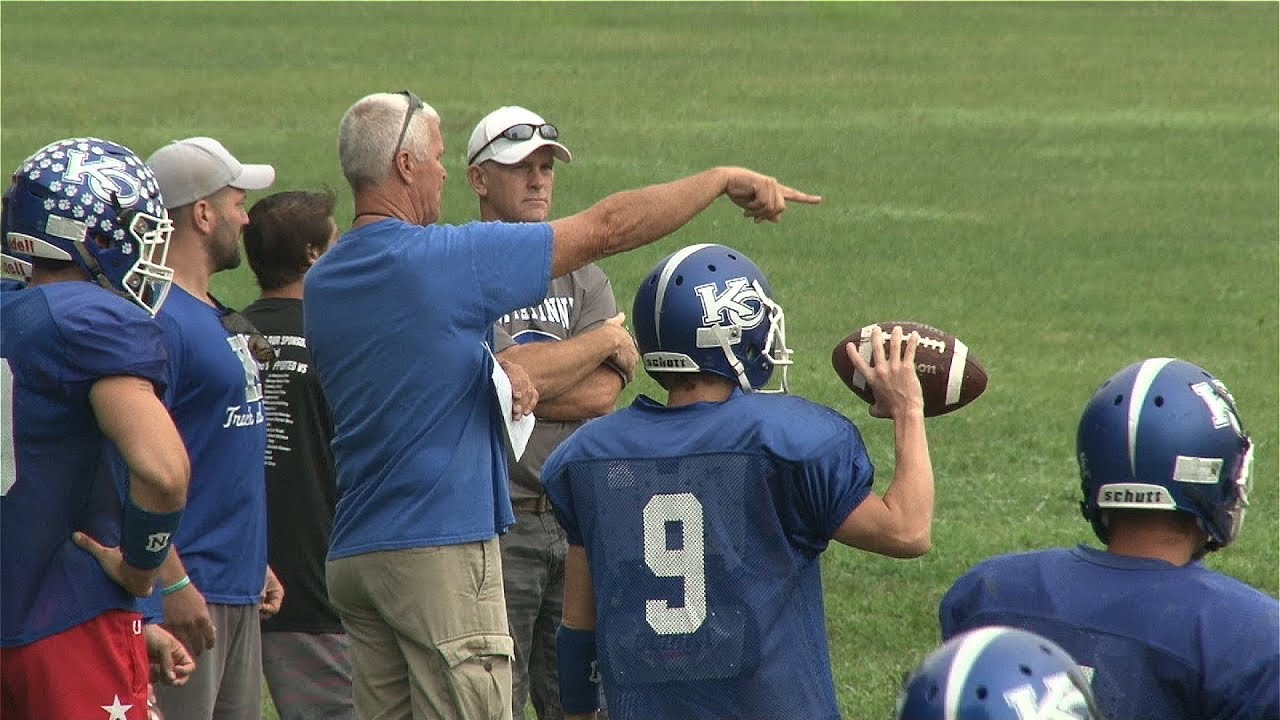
540	504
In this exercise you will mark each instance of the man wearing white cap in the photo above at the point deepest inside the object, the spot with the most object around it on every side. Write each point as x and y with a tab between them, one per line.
212	593
579	357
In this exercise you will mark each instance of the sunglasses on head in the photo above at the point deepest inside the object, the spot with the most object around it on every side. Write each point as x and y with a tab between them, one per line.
415	104
519	133
259	347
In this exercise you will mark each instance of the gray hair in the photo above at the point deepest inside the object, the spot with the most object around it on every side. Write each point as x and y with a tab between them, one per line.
368	133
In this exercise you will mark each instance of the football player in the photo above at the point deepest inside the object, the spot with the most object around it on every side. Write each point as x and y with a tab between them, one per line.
83	370
696	527
1164	467
997	673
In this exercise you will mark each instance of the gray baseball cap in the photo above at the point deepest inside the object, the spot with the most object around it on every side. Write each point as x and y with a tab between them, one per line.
195	168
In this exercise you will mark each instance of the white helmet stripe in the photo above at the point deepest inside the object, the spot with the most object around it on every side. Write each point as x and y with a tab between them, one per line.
1137	399
966	655
663	278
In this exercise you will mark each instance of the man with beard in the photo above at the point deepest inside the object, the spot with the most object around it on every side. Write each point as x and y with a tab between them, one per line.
213	585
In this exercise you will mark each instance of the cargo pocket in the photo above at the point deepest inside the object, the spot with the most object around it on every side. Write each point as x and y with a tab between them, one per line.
480	675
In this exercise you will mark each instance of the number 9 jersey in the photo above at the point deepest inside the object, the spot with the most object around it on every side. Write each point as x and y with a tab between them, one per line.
703	526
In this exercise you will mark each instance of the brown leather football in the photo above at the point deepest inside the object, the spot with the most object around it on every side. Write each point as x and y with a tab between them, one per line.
950	375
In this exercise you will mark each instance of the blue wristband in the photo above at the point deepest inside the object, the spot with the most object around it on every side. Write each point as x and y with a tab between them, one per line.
579	680
145	536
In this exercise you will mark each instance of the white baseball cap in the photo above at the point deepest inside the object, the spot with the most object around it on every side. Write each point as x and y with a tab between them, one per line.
195	168
488	142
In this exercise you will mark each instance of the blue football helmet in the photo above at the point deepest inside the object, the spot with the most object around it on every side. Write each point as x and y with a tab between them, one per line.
706	308
96	204
997	673
1164	434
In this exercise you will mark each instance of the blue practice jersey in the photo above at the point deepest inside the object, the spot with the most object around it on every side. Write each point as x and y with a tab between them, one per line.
1163	642
398	319
216	401
56	475
703	525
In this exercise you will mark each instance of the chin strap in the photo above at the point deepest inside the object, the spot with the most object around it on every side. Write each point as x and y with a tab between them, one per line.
725	337
95	270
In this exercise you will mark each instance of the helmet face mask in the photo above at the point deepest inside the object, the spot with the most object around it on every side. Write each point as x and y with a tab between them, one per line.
148	281
96	204
1164	434
706	308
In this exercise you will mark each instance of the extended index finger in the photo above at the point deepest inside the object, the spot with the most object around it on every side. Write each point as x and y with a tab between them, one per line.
793	195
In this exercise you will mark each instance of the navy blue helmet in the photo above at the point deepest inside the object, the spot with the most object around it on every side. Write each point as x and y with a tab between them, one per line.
997	673
96	204
706	308
1164	434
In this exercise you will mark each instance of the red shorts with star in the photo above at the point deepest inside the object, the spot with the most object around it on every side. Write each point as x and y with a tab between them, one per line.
97	670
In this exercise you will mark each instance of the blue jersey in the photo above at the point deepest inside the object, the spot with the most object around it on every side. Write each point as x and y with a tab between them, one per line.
216	401
703	525
1163	642
398	319
56	477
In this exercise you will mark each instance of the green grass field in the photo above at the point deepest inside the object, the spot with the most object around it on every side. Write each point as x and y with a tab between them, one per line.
1067	187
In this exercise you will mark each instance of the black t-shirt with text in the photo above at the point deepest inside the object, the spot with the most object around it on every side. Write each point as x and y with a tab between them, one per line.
301	484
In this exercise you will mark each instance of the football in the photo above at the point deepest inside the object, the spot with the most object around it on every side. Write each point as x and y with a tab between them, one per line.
950	375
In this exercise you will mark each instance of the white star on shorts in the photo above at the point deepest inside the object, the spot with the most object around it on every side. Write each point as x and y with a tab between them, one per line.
115	710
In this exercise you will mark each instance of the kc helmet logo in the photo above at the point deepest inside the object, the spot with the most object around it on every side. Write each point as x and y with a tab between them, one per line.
739	304
1062	701
108	177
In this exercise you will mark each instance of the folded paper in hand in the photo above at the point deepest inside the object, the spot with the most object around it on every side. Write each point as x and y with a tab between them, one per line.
518	431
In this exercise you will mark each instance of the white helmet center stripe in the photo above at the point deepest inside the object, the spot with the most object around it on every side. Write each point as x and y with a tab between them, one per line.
966	655
665	277
1137	399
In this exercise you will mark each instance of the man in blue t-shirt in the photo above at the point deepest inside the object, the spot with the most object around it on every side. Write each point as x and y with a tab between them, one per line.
695	528
82	369
213	585
399	320
1164	467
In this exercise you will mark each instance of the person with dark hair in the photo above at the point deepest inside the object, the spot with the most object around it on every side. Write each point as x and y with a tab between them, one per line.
305	651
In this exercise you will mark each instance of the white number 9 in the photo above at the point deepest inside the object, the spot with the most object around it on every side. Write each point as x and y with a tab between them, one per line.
689	562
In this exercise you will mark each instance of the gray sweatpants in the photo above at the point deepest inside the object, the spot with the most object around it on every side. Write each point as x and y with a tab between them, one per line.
227	683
